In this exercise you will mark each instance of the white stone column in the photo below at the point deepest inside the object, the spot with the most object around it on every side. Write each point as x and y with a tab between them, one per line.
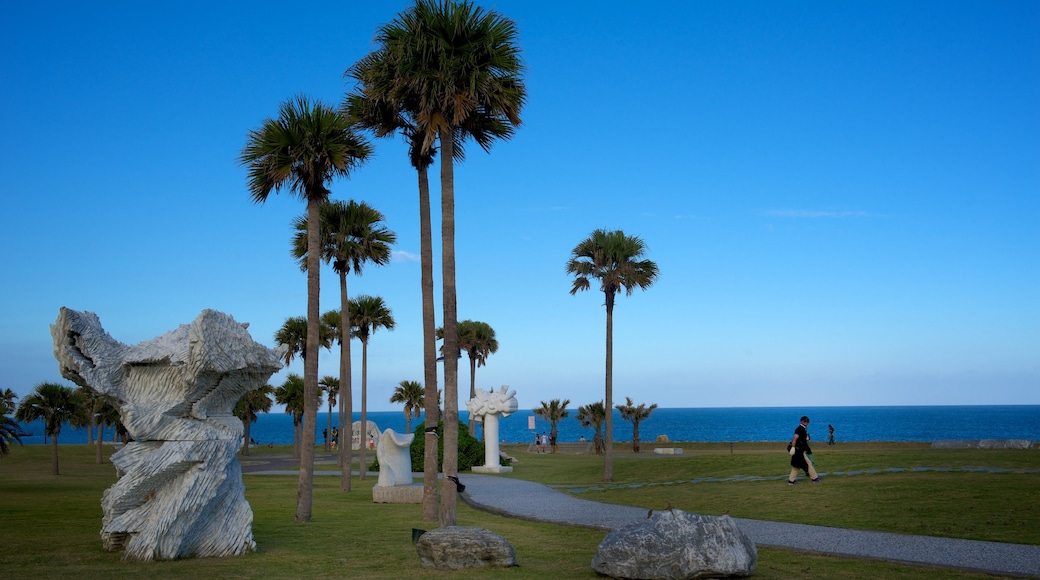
486	407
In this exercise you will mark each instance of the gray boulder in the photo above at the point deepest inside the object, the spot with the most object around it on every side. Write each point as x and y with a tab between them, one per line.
458	548
673	544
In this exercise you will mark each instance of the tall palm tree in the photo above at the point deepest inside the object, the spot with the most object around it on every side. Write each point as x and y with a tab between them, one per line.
352	234
55	404
593	415
7	397
635	414
9	429
367	314
449	63
554	411
413	396
303	151
616	262
252	402
292	394
293	333
330	385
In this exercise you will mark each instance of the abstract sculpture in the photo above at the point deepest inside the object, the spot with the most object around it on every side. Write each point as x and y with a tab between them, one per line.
486	407
180	490
395	470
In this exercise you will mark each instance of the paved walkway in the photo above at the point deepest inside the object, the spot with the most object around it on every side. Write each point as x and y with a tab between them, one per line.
537	502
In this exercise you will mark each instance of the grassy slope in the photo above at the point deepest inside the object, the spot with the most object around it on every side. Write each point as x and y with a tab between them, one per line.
50	524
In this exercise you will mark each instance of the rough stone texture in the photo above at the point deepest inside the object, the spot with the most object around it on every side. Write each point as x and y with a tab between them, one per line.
180	490
983	444
372	435
398	493
458	548
673	544
395	462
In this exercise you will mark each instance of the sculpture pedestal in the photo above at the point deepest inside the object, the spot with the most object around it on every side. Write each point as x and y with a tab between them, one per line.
397	493
492	469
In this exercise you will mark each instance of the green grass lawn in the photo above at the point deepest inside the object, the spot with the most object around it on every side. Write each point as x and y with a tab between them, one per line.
51	524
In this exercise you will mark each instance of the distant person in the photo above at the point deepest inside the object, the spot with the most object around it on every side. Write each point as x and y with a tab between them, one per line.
802	457
537	443
581	439
552	442
830	434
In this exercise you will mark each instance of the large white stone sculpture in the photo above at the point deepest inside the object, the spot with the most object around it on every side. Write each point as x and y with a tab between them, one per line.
395	470
486	406
180	490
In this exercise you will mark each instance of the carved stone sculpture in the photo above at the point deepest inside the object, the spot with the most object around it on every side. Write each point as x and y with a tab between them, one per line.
371	435
676	545
180	490
486	407
395	470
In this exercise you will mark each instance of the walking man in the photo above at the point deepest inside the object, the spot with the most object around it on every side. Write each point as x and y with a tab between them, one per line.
801	459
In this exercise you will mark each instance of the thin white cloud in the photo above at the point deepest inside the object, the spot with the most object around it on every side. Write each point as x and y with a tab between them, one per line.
818	214
403	256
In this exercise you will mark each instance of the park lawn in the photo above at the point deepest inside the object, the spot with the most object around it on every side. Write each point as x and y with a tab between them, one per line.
50	529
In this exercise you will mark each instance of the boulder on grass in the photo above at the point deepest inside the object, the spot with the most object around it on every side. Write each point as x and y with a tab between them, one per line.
673	544
458	548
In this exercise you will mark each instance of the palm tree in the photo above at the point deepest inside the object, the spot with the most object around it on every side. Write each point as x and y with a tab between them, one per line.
413	396
9	429
554	411
448	65
293	334
106	414
478	340
613	259
7	397
302	151
55	404
252	402
630	412
351	235
330	385
593	415
292	394
367	314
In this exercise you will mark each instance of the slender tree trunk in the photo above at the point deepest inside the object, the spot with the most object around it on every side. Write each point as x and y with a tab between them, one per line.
450	346
54	454
97	445
472	392
346	394
90	430
364	409
246	424
305	490
635	436
608	444
297	438
429	505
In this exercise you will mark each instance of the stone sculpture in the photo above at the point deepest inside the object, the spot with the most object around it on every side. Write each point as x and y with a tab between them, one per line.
486	407
371	436
180	490
676	545
458	548
395	470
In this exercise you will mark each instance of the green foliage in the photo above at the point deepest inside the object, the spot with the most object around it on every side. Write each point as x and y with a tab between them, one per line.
471	451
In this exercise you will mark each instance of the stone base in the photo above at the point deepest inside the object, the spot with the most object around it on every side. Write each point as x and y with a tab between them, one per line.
668	451
491	469
398	493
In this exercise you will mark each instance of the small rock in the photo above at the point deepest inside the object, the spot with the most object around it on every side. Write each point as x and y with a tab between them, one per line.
458	548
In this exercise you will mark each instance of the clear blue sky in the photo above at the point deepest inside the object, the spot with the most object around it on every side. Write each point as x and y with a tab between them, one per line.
843	198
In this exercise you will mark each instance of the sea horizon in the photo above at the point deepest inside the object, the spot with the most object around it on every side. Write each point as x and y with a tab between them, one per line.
923	423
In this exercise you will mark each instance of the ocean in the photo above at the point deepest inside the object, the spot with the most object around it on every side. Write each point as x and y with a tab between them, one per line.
916	423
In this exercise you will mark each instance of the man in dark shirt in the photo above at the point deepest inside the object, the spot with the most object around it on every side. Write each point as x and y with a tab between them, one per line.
800	459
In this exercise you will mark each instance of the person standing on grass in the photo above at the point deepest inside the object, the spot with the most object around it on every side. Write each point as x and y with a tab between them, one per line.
801	459
830	434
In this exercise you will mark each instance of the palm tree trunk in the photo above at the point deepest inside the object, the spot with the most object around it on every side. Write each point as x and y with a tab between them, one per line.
54	454
305	489
246	424
97	445
297	438
608	440
364	408
346	394
635	436
432	408
472	392
451	329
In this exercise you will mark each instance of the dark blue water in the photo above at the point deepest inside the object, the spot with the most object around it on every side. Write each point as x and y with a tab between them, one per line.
718	424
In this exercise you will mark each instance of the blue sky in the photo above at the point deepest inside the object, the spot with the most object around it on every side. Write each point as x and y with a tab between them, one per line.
843	198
